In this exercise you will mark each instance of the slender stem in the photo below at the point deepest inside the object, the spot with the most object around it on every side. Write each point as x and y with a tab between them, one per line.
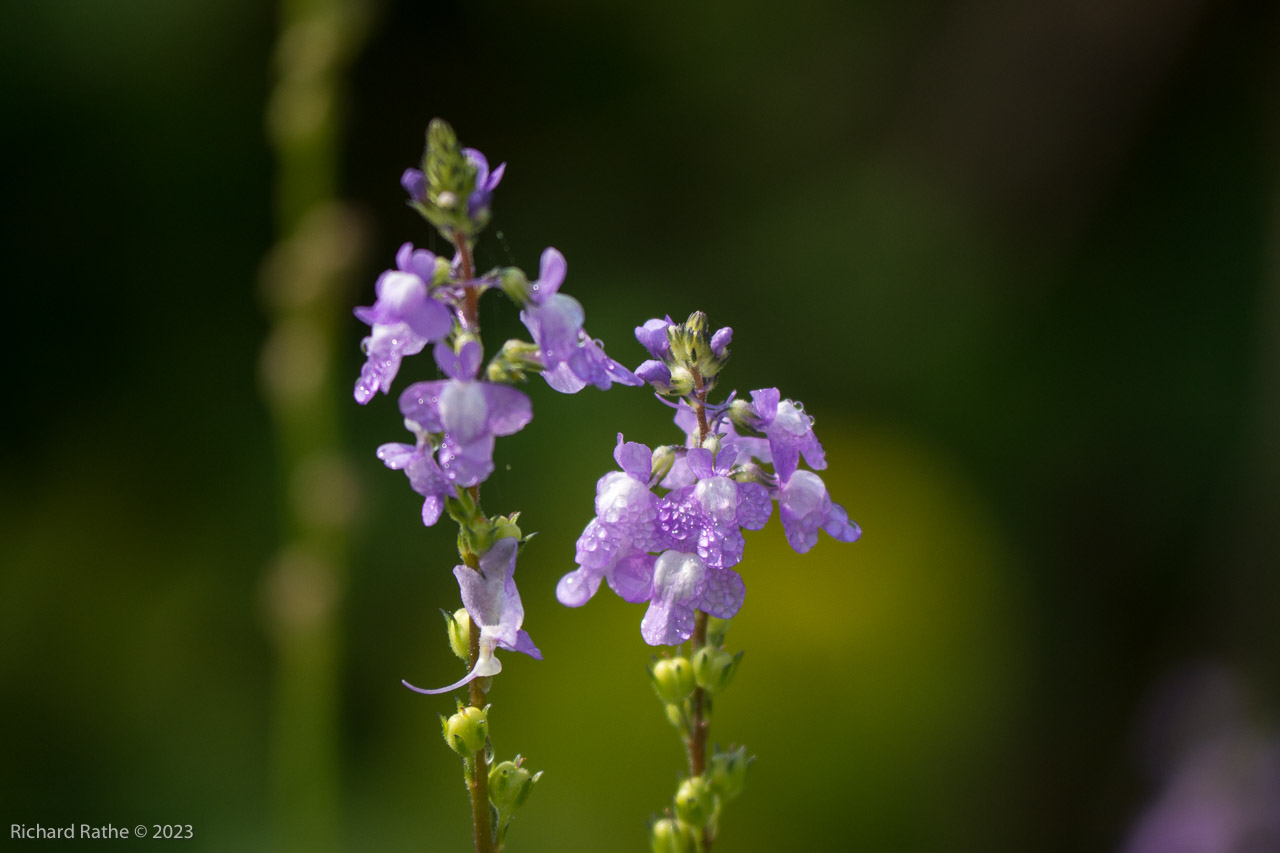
697	743
471	299
478	784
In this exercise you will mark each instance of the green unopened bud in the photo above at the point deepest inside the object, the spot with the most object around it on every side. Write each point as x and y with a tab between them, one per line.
458	624
467	730
505	527
673	836
712	443
663	458
714	668
450	180
695	801
681	381
675	715
510	785
728	773
673	678
515	284
717	628
443	269
516	359
743	415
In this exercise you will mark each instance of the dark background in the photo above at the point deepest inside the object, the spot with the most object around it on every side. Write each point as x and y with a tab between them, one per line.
1020	261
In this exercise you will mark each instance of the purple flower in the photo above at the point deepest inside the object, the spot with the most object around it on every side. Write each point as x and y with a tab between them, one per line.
486	183
493	603
699	524
614	545
404	319
790	432
805	506
468	413
653	337
424	474
708	515
571	359
415	184
682	585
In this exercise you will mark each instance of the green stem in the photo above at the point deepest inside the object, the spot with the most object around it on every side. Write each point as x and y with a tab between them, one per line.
697	742
478	783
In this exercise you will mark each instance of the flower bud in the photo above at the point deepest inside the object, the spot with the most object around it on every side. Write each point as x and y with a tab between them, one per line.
656	374
673	678
673	836
510	785
695	801
467	730
681	381
743	415
664	456
505	527
728	773
458	625
675	715
714	668
515	284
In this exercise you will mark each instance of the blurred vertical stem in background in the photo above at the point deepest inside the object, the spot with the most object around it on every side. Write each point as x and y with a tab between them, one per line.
304	282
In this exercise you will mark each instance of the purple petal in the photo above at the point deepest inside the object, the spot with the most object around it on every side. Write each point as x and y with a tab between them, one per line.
838	526
556	326
563	379
632	577
464	411
396	456
653	337
432	507
634	458
803	504
766	403
655	373
667	623
495	177
509	409
576	588
724	593
597	548
700	462
719	499
461	365
482	166
414	183
551	271
420	404
720	341
754	506
467	464
524	644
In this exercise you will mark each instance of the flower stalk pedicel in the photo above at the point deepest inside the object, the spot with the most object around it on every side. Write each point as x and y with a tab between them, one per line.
428	300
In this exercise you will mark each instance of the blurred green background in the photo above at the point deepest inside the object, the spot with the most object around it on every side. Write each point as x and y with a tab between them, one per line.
1020	261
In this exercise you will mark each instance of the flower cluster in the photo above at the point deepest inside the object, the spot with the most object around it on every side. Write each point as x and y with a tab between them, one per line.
676	547
429	300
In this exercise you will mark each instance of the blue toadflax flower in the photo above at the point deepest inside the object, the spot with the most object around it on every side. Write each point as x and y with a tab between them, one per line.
571	359
494	605
405	318
466	413
677	549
